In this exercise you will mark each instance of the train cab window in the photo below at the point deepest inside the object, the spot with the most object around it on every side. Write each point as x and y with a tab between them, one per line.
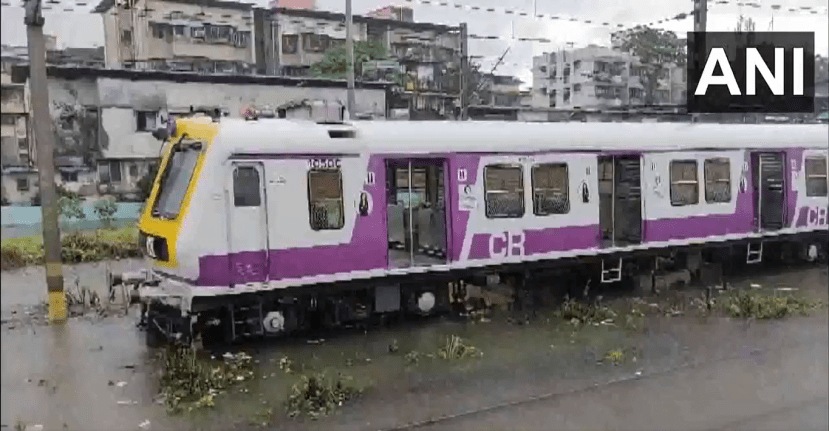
550	189
684	183
177	175
717	180
247	190
816	178
325	199
504	191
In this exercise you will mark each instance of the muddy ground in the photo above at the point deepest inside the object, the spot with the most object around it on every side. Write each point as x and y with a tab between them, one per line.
673	369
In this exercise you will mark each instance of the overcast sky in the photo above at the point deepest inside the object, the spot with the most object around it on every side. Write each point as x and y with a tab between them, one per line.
81	28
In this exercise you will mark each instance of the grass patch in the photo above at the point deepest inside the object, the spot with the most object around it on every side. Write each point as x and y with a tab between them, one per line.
455	348
581	314
761	305
318	394
189	382
76	247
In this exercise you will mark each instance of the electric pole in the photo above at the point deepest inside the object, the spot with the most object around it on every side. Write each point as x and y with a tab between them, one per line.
349	57
465	73
44	142
700	23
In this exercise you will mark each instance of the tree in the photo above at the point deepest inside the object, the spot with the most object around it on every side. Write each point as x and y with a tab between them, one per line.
744	25
655	49
333	63
145	184
105	209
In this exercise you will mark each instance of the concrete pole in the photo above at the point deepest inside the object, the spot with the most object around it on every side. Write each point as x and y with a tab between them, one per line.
44	141
700	24
465	73
349	57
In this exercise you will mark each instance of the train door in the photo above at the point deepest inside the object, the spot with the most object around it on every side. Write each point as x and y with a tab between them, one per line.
247	223
620	200
768	174
416	212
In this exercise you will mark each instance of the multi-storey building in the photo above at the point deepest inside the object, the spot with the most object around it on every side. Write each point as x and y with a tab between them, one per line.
596	77
428	56
211	36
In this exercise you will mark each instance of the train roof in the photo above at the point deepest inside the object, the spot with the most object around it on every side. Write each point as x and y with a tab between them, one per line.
305	137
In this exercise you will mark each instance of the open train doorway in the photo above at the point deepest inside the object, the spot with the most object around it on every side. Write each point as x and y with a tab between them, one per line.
768	175
416	212
620	200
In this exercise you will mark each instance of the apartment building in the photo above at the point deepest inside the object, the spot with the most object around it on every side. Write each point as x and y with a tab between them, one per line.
499	90
599	77
427	55
15	147
209	36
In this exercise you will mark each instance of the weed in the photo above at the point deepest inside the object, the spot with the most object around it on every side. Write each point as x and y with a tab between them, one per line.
412	358
189	382
579	313
614	356
455	348
745	304
286	365
317	395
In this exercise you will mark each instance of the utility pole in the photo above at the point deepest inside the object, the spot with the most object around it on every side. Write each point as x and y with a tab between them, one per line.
700	23
349	57
464	75
44	141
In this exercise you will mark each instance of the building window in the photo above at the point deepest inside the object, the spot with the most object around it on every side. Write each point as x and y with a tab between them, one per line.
69	177
126	36
684	183
504	191
325	199
816	178
550	189
576	88
9	119
247	191
145	121
109	171
133	169
717	180
312	42
289	43
23	144
22	184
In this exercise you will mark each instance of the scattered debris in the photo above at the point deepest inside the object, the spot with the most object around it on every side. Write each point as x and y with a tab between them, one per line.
393	347
318	395
286	365
144	425
191	382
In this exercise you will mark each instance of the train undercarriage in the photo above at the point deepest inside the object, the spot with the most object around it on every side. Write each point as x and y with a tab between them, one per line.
229	319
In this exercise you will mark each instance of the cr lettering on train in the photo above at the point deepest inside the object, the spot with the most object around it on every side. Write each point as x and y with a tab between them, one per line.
816	216
506	244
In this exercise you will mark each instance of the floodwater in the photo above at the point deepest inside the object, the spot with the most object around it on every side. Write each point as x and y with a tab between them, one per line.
677	371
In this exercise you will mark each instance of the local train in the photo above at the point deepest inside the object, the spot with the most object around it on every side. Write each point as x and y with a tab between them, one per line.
259	226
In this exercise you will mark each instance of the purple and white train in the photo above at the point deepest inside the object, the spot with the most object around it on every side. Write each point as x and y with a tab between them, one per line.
260	226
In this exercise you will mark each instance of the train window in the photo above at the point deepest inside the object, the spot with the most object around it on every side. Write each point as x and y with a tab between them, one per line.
504	191
684	183
550	189
717	180
325	199
247	190
175	179
816	178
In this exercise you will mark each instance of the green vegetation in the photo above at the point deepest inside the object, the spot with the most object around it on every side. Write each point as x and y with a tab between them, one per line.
317	395
655	49
763	305
77	247
333	63
189	382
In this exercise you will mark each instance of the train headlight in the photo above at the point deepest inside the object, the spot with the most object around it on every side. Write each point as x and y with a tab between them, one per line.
154	247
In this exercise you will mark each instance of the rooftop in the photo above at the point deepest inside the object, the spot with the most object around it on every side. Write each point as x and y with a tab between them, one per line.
20	73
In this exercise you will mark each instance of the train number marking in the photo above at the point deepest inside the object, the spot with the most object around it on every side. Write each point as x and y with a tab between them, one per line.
506	244
461	175
816	216
370	178
324	163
